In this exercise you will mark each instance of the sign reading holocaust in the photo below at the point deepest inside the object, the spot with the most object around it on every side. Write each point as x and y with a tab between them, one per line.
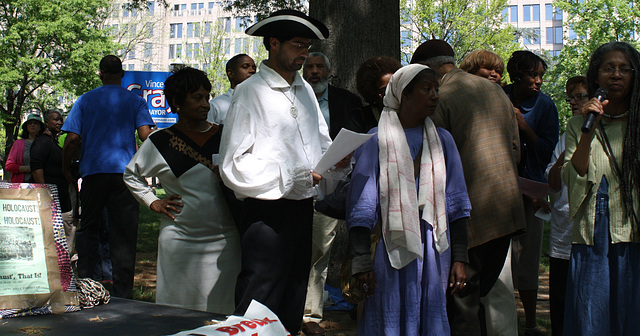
23	268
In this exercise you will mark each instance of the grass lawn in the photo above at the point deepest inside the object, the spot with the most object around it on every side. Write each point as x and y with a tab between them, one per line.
148	229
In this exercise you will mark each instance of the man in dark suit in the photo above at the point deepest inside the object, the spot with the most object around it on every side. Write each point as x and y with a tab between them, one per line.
336	105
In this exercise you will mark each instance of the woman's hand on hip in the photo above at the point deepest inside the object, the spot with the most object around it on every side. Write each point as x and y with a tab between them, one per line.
170	203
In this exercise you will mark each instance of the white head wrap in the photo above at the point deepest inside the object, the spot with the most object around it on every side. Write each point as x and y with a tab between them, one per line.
399	201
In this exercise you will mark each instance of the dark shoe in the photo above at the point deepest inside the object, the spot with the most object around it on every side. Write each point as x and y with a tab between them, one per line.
532	331
312	328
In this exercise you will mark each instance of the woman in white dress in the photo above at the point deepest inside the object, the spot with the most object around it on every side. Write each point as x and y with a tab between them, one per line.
198	246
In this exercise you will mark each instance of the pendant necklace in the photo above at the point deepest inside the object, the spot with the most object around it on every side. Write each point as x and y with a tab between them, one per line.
619	116
293	110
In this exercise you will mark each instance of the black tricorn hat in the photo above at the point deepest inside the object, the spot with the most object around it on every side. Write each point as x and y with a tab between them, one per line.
289	22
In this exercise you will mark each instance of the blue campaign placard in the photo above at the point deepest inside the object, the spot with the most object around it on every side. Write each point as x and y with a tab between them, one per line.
150	86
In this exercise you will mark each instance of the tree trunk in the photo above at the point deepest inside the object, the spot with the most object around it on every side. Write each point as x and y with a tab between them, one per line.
359	29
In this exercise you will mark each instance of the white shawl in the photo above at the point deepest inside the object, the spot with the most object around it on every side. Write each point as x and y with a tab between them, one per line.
399	200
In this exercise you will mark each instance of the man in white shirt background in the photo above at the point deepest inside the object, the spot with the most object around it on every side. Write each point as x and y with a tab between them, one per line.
336	105
238	68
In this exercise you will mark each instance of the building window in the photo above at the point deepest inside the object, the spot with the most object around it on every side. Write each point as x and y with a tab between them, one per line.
115	11
131	67
147	29
227	46
405	39
132	54
225	24
193	29
552	13
210	5
196	8
193	50
148	50
513	13
113	29
150	7
175	30
207	29
242	23
147	67
179	9
531	12
535	39
554	35
128	11
175	51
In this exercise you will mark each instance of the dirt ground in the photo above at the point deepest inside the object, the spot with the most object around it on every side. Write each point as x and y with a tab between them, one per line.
340	323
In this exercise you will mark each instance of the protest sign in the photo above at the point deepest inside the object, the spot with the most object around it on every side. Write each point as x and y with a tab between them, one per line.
35	268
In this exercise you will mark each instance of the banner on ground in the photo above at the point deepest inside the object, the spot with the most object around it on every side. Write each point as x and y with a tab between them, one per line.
257	321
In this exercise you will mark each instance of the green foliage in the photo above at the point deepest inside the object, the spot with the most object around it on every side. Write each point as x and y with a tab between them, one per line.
595	22
262	7
47	46
466	25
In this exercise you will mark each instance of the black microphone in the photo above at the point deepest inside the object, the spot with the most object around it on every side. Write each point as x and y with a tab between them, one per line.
590	119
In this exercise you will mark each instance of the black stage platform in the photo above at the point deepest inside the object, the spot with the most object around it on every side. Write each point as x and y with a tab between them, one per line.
120	317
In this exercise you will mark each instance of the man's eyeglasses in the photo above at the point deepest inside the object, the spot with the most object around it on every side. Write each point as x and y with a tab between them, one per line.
299	45
625	71
577	97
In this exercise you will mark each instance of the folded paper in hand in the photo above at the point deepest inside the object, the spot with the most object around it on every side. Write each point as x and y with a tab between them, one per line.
346	142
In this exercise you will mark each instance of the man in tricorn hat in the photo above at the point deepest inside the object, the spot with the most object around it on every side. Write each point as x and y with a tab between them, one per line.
273	137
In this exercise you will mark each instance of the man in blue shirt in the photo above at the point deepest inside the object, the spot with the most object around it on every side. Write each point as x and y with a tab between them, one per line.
105	120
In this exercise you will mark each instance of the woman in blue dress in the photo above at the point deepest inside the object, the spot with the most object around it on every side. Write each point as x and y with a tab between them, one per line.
602	173
409	178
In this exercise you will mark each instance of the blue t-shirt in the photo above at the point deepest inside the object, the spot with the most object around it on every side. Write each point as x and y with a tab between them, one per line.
106	118
540	113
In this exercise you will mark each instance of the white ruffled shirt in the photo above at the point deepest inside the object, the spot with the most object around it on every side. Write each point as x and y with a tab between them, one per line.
265	152
219	106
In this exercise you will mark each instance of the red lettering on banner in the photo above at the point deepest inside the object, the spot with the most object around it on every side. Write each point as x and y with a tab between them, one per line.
266	319
249	324
229	330
260	322
239	326
134	86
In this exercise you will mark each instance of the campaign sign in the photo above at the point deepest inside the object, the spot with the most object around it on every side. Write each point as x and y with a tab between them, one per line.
150	86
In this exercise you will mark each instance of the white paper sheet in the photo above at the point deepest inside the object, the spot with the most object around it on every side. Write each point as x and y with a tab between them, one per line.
346	142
